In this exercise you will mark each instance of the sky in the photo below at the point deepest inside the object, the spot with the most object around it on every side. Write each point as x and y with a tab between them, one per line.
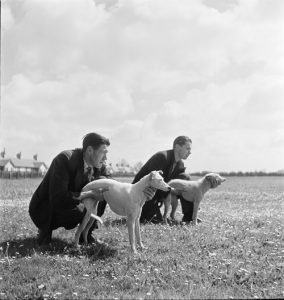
142	73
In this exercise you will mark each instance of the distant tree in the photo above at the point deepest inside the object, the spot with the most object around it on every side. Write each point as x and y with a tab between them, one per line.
138	166
3	153
19	155
123	163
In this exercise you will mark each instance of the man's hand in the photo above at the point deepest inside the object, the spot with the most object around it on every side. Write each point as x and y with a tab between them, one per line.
96	194
175	192
149	192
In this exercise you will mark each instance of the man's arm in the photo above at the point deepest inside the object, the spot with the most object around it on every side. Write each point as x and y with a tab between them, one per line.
59	194
179	172
96	194
155	163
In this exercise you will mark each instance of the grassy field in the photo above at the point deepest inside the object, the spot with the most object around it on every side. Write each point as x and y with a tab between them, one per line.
236	252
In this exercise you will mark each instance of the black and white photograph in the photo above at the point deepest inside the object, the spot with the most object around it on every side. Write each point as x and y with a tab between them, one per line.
142	149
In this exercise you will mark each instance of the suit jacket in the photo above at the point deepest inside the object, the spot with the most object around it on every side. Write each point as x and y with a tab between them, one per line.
65	178
162	160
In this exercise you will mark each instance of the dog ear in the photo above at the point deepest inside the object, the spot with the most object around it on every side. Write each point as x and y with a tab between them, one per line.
211	179
160	172
208	177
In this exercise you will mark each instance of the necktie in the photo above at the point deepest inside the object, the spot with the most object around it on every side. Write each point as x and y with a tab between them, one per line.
173	167
89	173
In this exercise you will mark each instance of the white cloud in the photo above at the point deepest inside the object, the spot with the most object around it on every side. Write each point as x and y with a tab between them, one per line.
7	20
142	73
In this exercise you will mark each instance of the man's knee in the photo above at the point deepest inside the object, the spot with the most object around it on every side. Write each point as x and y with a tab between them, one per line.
69	219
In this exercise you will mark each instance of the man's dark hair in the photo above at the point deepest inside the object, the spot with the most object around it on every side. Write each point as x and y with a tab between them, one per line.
181	140
95	140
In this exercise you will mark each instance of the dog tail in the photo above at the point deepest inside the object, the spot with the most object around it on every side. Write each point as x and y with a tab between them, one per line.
97	218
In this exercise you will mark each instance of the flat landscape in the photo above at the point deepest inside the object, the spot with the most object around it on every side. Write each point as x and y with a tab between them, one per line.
236	252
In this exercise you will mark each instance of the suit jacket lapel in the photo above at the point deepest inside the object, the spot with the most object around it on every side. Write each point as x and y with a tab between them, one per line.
81	179
170	162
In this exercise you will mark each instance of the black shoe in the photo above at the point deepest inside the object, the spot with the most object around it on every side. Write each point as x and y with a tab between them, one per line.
90	239
143	220
44	237
81	240
157	220
187	221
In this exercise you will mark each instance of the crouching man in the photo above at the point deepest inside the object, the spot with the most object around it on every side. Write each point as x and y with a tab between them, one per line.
171	163
54	202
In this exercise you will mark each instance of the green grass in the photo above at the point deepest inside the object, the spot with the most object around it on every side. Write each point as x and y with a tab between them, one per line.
237	252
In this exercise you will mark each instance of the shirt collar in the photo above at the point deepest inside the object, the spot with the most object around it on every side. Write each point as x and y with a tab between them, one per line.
86	166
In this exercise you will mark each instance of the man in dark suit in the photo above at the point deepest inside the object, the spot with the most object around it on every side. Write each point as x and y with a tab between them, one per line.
54	202
170	162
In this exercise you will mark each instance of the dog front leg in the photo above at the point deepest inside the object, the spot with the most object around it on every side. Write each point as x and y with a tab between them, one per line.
167	203
195	211
131	232
138	233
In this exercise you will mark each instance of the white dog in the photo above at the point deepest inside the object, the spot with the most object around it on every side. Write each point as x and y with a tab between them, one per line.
125	199
192	191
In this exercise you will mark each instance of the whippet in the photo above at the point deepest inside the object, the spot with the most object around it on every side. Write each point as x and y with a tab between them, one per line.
125	199
192	191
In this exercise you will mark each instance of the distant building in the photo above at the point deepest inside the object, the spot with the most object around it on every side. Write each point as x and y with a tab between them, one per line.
121	169
16	165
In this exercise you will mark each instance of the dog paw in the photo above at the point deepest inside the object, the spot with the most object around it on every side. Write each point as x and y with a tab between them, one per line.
165	222
141	246
100	242
134	251
77	249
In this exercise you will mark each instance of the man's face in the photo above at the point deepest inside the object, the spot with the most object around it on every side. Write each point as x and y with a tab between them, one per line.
184	150
98	156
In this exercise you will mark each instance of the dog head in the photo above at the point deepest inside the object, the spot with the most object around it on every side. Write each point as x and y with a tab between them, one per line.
214	179
157	181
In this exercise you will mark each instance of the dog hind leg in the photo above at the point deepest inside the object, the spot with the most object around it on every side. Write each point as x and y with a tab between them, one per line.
86	230
195	211
174	203
81	228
